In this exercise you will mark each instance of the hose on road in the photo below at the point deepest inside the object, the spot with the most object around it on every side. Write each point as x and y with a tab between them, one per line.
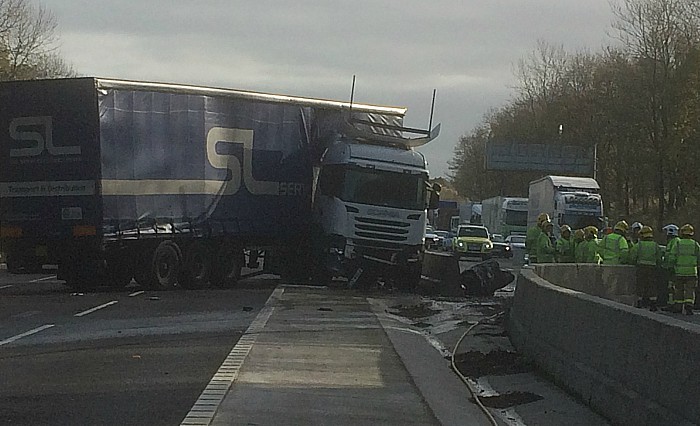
464	379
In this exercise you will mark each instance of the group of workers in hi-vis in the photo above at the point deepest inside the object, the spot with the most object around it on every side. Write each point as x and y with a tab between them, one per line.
667	276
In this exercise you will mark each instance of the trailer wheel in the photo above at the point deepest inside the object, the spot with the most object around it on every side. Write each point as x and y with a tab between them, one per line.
227	266
159	269
167	263
196	267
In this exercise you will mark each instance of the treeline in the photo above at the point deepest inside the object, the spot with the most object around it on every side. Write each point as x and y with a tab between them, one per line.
29	43
637	102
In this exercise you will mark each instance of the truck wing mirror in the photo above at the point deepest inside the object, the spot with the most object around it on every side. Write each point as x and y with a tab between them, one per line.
434	197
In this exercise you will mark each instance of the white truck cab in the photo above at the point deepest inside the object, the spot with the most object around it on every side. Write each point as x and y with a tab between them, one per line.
370	206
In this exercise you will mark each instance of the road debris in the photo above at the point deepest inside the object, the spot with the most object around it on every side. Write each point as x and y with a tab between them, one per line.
509	399
495	363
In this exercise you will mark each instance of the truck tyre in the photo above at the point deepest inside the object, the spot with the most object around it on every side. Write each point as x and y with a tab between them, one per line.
228	262
196	266
159	269
167	263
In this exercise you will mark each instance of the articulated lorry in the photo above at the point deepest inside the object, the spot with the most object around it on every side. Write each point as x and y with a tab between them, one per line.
572	201
172	184
505	215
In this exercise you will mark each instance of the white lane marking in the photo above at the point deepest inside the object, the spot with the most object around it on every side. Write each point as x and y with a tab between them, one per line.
43	279
6	286
96	308
136	293
25	334
204	409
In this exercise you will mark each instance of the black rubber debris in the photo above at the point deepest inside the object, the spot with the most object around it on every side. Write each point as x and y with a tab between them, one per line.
495	363
247	309
509	399
325	309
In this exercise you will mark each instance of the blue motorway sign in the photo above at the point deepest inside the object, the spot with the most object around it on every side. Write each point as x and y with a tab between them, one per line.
549	158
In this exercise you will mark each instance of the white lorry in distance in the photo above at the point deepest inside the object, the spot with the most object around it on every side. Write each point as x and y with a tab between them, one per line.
505	215
573	201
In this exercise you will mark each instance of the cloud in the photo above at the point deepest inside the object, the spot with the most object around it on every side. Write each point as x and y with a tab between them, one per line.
399	50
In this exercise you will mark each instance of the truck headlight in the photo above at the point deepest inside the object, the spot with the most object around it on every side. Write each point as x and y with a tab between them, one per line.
488	246
460	243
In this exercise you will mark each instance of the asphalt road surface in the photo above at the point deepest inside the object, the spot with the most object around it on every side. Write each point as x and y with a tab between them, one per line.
128	357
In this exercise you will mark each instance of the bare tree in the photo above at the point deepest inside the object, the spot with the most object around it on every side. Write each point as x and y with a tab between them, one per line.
28	42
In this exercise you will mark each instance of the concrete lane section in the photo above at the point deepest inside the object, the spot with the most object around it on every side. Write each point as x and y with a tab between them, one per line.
324	358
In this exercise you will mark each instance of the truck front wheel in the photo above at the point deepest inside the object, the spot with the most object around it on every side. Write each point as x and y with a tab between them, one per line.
227	266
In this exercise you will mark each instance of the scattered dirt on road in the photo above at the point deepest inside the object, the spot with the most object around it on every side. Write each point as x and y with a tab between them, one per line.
509	399
421	310
494	363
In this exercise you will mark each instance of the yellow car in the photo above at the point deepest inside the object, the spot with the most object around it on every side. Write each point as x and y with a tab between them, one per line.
472	240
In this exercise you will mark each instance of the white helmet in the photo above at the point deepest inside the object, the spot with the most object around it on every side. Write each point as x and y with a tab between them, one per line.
671	230
636	225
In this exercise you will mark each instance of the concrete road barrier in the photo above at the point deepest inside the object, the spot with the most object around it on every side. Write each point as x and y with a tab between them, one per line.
633	366
612	282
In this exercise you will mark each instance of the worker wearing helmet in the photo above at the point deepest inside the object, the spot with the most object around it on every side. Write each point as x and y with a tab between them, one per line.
666	283
646	255
587	250
578	238
543	246
683	256
613	248
533	234
635	229
565	246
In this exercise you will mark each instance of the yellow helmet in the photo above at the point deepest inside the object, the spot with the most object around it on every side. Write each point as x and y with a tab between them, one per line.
622	226
590	231
646	232
579	234
565	228
541	218
687	230
547	224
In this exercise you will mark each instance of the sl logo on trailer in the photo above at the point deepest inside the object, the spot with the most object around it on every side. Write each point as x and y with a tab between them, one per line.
40	143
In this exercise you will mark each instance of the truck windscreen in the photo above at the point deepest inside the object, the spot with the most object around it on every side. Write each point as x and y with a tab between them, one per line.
374	187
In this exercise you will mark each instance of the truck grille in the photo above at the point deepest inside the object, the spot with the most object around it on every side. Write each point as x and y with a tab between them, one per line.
381	230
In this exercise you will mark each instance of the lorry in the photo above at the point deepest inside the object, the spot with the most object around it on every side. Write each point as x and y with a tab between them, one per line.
172	184
469	213
505	215
573	201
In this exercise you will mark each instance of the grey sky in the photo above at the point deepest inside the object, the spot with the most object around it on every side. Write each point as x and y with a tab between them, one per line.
399	50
